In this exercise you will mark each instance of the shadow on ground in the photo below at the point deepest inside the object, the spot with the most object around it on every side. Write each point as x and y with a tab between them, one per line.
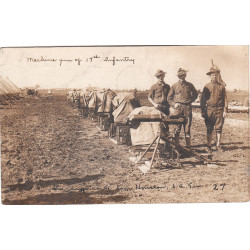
28	185
70	198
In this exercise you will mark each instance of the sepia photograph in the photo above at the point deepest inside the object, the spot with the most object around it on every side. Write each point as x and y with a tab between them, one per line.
124	124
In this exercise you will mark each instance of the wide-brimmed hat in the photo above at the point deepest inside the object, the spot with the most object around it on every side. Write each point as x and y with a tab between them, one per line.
160	72
181	72
213	70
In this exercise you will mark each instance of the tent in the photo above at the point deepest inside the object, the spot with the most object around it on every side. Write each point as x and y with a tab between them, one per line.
8	91
7	87
12	85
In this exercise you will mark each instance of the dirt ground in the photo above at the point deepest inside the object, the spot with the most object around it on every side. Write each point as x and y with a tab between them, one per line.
51	155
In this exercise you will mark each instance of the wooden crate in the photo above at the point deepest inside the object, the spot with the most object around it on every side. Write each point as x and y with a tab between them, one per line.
104	121
120	133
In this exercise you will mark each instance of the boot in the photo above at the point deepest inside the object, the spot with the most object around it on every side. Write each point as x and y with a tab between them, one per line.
188	141
209	142
218	141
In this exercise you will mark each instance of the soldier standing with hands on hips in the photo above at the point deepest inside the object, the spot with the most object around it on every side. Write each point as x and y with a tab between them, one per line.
181	96
214	107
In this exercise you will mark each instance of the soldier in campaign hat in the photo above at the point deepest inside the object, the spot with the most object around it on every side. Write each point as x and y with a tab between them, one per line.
181	96
214	107
158	93
158	97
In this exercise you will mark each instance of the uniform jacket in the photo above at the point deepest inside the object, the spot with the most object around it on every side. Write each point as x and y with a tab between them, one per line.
159	92
182	92
214	95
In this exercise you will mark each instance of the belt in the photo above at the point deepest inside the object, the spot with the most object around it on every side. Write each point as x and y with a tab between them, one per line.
215	106
185	104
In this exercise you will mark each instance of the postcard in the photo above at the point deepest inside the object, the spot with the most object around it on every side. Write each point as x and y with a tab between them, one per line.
124	124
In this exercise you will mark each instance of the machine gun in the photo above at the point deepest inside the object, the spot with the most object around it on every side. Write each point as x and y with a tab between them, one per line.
175	148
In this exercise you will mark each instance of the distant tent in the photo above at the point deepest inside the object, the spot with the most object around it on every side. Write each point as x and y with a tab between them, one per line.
7	88
2	91
8	91
12	84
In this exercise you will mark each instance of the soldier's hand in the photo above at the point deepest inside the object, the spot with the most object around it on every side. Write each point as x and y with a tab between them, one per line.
176	105
156	105
203	114
224	114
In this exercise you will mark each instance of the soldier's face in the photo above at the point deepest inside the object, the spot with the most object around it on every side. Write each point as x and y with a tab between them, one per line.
161	77
214	77
182	77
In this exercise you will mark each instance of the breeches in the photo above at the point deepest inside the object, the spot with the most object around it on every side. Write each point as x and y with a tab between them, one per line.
214	119
185	110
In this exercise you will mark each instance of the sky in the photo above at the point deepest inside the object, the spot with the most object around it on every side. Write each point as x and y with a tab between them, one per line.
134	67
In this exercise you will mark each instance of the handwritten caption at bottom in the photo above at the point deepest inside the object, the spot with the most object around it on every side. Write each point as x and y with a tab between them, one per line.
212	187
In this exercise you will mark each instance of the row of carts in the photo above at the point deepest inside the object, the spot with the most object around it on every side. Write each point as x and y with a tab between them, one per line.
109	110
115	113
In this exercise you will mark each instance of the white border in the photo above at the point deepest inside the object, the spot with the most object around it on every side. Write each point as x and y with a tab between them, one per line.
179	226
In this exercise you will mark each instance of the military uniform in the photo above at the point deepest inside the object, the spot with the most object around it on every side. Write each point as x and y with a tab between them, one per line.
181	96
213	106
158	97
183	93
158	93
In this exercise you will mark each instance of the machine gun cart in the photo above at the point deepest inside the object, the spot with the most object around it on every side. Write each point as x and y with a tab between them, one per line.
172	149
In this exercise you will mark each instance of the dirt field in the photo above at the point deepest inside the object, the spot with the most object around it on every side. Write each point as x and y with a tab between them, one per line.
50	155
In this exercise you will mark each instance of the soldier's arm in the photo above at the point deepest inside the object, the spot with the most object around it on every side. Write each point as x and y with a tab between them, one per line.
150	96
204	97
152	102
170	97
194	93
225	105
226	102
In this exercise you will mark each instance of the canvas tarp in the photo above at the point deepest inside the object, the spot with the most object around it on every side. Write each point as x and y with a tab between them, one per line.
95	99
126	106
119	98
144	132
107	105
83	97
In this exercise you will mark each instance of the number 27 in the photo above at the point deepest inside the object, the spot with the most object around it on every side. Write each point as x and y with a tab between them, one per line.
219	185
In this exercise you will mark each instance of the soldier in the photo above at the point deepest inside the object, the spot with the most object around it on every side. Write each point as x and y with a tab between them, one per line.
158	97
158	93
214	107
181	96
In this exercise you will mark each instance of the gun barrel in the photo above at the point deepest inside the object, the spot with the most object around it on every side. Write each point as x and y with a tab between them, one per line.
195	154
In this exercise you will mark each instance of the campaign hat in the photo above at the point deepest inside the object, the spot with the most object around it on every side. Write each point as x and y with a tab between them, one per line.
213	70
181	72
160	72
